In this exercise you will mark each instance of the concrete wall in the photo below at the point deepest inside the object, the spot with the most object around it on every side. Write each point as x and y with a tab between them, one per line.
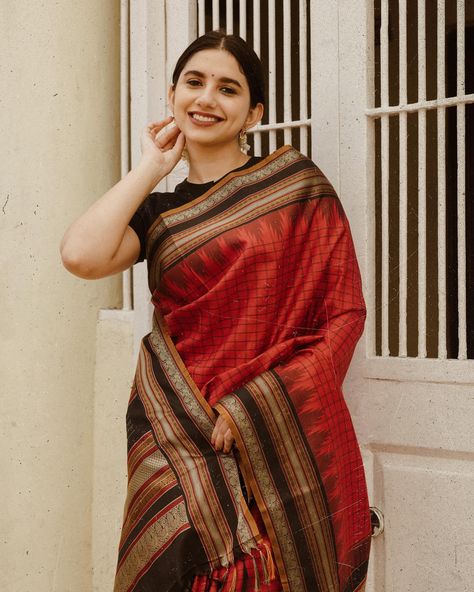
59	110
113	379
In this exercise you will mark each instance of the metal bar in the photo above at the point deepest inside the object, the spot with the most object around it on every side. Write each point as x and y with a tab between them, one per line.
243	19
461	198
372	278
229	17
385	172
125	125
413	107
287	68
303	75
257	140
272	72
257	144
256	27
201	17
421	182
441	134
281	125
215	14
403	199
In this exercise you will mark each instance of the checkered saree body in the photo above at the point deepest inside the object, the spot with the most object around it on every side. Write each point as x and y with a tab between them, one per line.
258	308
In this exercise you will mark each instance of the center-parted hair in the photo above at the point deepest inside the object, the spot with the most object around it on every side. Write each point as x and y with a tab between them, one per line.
248	60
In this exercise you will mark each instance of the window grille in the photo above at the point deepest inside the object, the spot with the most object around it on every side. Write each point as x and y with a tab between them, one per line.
279	32
423	118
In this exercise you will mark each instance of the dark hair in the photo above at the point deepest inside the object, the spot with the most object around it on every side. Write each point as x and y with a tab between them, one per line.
247	59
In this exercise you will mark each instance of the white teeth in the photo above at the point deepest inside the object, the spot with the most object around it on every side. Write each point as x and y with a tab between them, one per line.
203	117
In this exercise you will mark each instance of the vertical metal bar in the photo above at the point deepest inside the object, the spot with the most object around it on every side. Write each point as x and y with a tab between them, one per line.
303	75
201	17
385	152
421	182
372	278
403	201
257	136
243	19
287	69
441	129
215	14
229	17
272	71
461	199
256	27
125	125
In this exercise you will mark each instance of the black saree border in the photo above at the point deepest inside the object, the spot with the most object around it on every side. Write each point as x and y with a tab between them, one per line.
177	376
283	178
306	557
231	175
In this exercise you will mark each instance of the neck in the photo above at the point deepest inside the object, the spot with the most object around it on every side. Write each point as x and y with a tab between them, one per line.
210	163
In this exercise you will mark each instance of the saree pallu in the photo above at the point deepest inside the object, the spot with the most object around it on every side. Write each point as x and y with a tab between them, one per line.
258	307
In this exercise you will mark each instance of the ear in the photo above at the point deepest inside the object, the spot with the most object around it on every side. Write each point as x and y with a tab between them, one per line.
255	114
171	98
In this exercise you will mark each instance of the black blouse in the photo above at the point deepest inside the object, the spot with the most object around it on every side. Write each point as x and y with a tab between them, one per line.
159	202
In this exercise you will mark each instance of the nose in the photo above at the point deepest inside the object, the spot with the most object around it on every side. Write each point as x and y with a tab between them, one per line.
206	97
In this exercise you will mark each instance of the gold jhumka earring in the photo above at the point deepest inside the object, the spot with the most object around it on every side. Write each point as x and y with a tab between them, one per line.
244	146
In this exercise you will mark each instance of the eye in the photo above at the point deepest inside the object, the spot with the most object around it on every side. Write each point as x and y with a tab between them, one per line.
193	82
228	90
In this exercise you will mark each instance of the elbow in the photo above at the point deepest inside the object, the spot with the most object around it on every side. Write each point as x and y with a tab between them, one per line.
77	264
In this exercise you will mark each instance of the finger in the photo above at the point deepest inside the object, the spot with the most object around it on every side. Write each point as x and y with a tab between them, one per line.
161	122
165	137
228	441
219	441
179	145
167	141
222	428
215	431
171	144
158	125
227	438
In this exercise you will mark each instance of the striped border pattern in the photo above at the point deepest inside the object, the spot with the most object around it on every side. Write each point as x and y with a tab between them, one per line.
286	447
203	502
283	178
157	535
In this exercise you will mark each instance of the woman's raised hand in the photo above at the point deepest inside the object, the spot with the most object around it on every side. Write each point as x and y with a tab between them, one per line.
222	438
162	147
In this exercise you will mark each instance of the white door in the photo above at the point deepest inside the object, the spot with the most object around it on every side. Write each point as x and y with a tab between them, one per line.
393	125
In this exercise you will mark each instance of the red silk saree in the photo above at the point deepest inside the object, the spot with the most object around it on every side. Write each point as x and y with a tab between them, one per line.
258	307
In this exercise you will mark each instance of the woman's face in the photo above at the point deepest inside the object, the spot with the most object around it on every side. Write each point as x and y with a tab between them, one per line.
211	100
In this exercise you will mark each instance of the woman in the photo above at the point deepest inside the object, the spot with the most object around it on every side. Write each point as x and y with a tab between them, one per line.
244	470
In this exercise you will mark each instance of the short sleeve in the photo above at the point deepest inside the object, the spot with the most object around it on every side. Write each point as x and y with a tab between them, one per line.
143	219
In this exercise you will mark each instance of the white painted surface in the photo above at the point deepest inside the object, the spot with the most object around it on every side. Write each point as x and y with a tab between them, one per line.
114	370
60	151
413	417
127	286
441	122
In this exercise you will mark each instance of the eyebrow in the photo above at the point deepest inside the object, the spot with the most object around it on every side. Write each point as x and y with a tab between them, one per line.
223	79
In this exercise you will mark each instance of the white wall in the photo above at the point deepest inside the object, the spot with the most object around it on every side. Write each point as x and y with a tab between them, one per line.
59	110
113	379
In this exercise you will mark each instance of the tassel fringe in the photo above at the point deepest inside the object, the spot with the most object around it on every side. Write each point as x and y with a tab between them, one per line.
269	563
256	569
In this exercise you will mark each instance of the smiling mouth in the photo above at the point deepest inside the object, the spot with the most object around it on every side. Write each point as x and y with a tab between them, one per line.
206	118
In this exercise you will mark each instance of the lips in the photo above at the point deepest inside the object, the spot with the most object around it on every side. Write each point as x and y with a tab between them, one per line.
201	117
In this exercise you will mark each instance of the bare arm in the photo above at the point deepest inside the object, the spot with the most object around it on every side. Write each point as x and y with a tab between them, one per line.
100	242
